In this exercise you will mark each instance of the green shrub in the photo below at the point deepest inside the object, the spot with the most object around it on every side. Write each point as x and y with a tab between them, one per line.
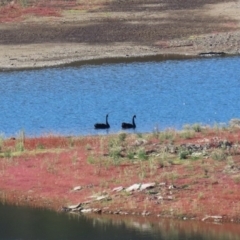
197	127
122	137
142	155
167	135
183	154
187	134
91	160
130	155
218	155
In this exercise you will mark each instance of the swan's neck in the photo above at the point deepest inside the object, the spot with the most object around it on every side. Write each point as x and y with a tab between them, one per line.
133	122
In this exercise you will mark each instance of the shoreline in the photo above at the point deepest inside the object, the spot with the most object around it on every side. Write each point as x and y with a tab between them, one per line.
13	58
67	55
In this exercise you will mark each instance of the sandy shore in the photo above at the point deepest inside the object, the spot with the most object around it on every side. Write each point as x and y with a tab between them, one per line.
117	31
46	55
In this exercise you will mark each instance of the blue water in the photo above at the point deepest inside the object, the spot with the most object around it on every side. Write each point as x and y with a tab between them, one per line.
162	94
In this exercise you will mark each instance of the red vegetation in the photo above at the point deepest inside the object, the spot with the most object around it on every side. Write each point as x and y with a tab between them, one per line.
48	169
15	12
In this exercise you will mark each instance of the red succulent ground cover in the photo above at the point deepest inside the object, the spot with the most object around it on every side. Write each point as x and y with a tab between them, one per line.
46	170
16	11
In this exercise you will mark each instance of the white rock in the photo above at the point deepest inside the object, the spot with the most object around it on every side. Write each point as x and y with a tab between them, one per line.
196	154
162	184
147	185
74	206
77	188
101	197
89	210
117	189
134	187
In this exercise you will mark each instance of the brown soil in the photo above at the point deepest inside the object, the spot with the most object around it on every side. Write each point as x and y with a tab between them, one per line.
197	174
45	33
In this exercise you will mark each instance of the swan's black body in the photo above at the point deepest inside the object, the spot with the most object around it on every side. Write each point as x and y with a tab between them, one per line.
129	125
102	125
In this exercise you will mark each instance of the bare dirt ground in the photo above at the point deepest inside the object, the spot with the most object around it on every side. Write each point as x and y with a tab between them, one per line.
48	33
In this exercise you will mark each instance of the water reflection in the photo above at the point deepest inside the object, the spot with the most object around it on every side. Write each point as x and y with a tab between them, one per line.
26	223
166	229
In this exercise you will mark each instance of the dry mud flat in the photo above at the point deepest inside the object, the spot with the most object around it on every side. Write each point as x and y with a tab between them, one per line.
112	29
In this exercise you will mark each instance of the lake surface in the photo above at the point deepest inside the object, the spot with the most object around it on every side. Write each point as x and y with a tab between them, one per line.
162	94
22	223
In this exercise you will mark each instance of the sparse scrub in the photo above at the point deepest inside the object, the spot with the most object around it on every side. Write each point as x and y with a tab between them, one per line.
91	159
75	158
19	146
218	154
201	195
115	153
236	178
24	3
218	127
142	155
152	166
187	134
122	137
1	142
139	135
170	176
197	127
196	156
130	155
7	153
113	142
142	174
167	135
71	142
156	132
40	146
183	154
88	147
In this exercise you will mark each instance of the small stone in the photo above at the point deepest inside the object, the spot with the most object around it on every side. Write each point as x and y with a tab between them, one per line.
172	187
134	187
145	213
78	188
117	189
101	197
147	186
74	206
88	210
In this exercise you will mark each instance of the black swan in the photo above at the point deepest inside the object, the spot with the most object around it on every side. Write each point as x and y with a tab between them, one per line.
129	125
102	125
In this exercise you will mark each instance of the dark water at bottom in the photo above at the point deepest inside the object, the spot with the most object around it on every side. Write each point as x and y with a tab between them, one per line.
22	223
